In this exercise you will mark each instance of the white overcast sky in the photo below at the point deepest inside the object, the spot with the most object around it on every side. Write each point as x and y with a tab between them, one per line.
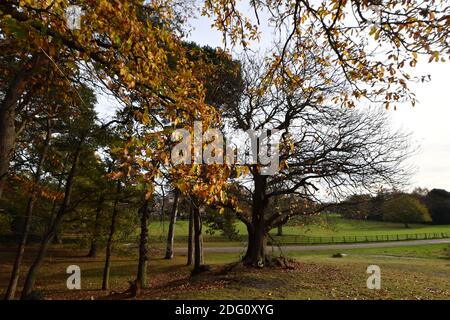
429	121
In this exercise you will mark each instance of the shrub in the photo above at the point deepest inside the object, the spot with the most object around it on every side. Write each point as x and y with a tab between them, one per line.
438	203
405	209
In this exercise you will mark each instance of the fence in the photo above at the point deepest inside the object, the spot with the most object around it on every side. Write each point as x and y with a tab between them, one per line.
301	239
293	239
275	240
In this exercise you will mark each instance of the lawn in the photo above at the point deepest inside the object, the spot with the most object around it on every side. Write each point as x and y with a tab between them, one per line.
322	226
416	272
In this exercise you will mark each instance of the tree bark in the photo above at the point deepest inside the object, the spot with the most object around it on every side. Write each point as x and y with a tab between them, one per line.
190	253
12	286
257	233
141	279
109	243
198	252
171	232
8	114
48	237
256	249
96	232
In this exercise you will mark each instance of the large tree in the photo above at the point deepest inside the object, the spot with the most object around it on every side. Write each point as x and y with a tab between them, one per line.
133	48
325	150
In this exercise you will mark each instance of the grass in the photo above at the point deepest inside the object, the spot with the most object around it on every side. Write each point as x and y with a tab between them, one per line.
323	226
415	272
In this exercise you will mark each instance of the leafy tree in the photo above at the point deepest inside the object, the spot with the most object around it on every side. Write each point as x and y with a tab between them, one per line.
78	134
405	209
132	47
438	202
356	207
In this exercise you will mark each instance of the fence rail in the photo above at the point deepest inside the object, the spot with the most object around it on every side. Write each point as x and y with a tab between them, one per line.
274	240
301	239
293	239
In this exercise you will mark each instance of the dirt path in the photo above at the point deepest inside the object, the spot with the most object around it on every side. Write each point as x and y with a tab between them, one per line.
325	246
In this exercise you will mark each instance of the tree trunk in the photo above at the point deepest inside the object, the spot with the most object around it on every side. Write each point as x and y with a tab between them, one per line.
280	231
96	232
256	249
10	292
198	252
48	237
141	279
8	113
257	232
173	220
190	253
109	243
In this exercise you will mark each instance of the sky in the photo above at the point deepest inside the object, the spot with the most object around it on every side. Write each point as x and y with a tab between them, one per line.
428	121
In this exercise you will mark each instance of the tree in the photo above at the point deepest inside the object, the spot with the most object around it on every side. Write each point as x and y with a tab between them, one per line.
322	146
405	209
10	292
357	206
133	48
109	242
141	278
438	202
78	133
190	251
171	231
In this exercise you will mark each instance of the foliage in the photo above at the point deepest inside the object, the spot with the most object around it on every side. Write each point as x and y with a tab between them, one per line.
438	202
405	209
374	43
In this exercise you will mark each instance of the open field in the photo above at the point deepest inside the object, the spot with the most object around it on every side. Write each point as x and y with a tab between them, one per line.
415	272
322	226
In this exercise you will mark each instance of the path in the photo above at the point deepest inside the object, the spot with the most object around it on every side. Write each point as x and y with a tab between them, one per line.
292	248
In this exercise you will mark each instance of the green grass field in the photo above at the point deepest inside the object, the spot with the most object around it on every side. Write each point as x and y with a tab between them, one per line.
322	226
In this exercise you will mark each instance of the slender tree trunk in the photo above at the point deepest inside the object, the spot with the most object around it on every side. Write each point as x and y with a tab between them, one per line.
190	253
109	243
53	211
198	252
141	279
10	292
48	237
8	114
171	232
280	231
96	232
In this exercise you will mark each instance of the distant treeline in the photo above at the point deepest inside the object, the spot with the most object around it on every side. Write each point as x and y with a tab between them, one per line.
420	206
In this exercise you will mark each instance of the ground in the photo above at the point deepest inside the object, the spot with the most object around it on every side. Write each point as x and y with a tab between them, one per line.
409	272
326	225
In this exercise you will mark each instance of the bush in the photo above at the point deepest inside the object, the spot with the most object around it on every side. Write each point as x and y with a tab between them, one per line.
405	209
438	203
